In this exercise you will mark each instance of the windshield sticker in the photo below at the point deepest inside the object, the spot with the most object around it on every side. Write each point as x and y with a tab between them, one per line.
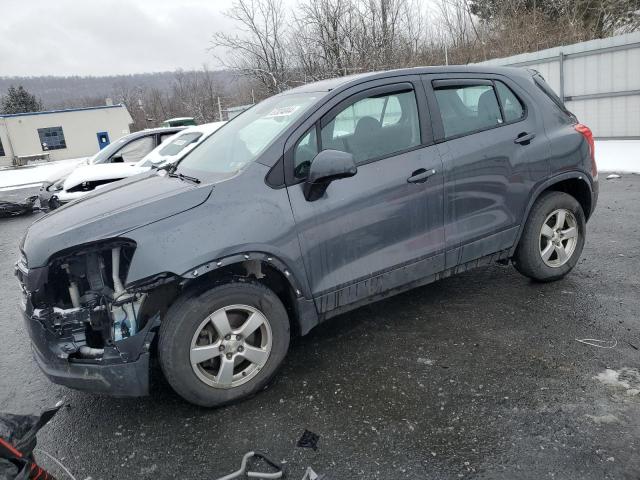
282	111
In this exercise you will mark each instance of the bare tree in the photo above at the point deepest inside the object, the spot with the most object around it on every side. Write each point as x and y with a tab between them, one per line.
261	51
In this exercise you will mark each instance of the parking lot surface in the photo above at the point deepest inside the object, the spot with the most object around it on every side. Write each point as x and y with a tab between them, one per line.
475	376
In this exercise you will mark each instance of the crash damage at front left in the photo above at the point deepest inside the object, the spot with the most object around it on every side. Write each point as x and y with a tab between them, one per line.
88	332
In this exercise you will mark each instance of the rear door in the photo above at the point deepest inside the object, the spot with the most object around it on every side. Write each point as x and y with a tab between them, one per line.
493	150
381	228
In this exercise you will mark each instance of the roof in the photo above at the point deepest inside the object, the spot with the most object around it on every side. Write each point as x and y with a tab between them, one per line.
65	110
239	107
334	83
177	119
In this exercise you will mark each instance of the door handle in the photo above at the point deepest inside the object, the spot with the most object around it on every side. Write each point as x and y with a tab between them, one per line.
524	138
421	175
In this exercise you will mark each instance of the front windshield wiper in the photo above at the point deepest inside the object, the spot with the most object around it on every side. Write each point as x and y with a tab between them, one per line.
182	176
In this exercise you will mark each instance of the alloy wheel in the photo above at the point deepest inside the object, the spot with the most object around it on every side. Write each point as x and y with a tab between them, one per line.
558	237
231	346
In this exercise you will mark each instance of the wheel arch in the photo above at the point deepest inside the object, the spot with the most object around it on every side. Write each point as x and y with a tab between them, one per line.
266	269
576	183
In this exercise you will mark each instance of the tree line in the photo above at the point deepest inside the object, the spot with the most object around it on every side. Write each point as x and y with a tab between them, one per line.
274	48
279	48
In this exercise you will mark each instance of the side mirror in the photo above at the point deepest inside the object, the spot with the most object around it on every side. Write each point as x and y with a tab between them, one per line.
327	166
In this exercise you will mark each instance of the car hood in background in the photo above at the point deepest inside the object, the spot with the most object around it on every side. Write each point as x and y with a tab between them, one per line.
110	212
99	172
62	169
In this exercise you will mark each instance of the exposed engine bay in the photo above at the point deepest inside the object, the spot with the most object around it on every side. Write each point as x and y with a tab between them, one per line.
84	302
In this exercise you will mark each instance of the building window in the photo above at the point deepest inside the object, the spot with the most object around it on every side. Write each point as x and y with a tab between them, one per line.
51	138
2	154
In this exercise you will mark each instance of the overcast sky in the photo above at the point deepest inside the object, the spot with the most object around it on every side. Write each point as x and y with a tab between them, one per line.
102	37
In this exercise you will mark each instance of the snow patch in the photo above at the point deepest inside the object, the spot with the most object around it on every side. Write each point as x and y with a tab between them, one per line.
604	419
626	378
622	156
425	361
34	175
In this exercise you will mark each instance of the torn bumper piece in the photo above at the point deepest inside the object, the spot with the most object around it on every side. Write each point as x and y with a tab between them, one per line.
123	371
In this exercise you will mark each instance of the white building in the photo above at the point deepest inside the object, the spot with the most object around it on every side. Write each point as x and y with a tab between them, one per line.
60	134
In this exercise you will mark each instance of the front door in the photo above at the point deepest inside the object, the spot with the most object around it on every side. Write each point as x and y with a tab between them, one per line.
103	139
381	228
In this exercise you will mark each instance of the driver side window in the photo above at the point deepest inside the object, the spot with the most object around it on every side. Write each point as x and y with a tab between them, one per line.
136	150
375	127
370	128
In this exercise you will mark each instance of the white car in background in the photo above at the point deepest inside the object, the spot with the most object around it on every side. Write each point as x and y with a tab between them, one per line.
87	178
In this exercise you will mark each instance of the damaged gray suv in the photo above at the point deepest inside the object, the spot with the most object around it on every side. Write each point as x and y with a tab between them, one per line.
312	203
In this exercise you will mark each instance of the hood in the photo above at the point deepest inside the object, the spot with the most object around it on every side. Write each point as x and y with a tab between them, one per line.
99	172
60	170
110	212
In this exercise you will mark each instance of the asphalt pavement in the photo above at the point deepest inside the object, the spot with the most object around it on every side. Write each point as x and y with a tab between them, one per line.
476	376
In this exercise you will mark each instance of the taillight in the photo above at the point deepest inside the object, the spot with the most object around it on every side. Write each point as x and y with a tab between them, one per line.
588	135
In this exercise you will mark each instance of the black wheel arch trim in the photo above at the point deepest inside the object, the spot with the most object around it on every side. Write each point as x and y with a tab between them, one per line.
238	258
544	186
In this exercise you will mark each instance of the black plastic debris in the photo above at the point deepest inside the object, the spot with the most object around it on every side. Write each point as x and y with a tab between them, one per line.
13	209
309	440
17	441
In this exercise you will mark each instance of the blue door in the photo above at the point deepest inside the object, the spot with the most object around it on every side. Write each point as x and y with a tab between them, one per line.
103	139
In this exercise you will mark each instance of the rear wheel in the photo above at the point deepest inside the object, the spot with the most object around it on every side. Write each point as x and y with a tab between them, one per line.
552	239
224	344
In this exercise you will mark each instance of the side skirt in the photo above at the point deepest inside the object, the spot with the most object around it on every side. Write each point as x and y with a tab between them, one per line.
374	289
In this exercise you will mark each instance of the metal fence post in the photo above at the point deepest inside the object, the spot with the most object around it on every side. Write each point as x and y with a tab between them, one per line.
561	65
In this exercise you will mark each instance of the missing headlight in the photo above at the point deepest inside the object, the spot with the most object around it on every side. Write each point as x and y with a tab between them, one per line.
85	297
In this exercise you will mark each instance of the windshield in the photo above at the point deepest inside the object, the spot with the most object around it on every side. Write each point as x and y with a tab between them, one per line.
169	148
243	139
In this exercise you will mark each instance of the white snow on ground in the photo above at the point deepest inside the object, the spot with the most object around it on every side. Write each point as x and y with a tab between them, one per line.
34	175
621	156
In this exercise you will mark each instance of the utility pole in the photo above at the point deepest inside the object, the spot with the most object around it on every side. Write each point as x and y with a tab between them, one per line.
220	109
446	55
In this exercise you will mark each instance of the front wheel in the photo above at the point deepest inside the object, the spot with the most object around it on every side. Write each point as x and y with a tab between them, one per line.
224	344
552	239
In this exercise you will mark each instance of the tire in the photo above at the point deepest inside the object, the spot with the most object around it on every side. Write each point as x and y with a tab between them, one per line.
538	255
190	330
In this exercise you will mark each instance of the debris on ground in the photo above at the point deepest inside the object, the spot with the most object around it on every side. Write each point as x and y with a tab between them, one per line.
309	440
17	443
594	342
242	471
612	176
311	475
13	209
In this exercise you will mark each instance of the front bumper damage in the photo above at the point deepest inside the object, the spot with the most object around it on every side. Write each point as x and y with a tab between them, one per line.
87	333
123	370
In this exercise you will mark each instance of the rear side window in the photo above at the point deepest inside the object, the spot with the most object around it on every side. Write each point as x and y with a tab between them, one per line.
548	91
511	105
374	127
466	109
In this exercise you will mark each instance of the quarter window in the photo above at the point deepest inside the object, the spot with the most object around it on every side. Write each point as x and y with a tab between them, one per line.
306	149
375	127
511	105
467	109
2	154
51	138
